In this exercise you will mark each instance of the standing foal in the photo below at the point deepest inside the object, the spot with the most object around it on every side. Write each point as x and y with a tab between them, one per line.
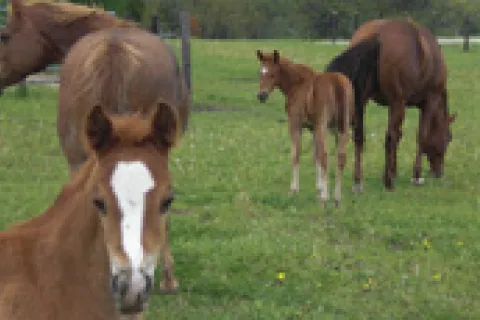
314	100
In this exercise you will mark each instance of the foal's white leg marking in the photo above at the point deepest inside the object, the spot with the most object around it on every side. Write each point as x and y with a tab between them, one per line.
420	181
295	178
130	183
338	186
322	182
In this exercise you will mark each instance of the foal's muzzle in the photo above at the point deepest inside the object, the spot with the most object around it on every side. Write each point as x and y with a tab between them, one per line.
262	96
131	291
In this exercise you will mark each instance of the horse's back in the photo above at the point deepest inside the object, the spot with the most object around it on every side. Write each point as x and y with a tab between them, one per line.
410	59
124	71
333	92
129	60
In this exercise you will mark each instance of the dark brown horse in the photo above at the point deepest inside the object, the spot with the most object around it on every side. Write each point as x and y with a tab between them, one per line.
39	34
317	101
125	71
93	253
399	64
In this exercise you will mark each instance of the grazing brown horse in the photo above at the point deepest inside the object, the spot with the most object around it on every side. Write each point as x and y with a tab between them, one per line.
39	34
317	101
399	64
93	253
123	70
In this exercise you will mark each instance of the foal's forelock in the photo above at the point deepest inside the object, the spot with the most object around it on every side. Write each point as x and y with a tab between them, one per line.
130	182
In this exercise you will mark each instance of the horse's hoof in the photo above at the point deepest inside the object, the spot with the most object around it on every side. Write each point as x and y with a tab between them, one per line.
293	193
337	203
418	181
389	186
357	188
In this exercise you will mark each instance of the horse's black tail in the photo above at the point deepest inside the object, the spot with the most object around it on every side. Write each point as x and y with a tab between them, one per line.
360	64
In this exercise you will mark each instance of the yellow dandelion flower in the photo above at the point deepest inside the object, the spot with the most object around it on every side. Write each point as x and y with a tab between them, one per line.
426	243
281	276
459	243
437	276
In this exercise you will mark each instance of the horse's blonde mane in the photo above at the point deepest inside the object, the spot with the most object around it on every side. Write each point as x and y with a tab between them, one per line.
109	69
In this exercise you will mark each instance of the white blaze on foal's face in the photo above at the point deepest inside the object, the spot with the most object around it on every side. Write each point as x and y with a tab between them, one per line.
263	70
130	182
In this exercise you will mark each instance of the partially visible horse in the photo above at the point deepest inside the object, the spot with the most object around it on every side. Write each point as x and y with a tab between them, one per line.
398	63
93	253
123	70
317	101
39	34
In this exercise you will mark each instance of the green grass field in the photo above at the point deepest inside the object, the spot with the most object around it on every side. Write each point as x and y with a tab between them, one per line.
409	254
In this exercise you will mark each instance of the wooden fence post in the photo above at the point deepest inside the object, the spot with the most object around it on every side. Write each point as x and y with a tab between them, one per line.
334	25
185	23
466	34
355	21
155	25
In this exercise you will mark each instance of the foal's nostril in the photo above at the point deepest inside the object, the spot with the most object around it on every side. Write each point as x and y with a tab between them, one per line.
262	96
123	288
114	283
148	284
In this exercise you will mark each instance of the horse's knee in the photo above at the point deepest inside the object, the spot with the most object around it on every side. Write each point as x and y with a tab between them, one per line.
342	159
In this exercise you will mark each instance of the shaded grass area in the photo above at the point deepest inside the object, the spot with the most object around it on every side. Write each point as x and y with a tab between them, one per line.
408	254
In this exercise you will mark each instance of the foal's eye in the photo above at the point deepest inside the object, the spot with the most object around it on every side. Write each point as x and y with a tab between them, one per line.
4	38
100	204
166	204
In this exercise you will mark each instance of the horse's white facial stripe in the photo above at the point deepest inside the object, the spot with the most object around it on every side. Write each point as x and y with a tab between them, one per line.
263	70
130	183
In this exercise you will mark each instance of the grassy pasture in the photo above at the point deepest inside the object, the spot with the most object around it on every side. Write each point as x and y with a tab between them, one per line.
409	254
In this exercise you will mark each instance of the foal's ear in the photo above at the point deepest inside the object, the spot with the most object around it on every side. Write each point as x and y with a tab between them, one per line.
260	55
165	126
451	118
276	56
99	129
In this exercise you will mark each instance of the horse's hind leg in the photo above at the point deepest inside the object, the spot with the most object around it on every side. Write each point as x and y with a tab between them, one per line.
321	162
396	113
168	283
342	140
296	136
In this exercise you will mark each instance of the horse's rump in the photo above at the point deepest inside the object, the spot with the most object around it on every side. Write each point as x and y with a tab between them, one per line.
123	70
334	93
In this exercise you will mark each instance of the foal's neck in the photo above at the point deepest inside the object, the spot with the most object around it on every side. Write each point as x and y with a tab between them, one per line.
292	76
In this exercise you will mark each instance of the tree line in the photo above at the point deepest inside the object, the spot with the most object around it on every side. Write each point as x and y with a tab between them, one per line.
256	19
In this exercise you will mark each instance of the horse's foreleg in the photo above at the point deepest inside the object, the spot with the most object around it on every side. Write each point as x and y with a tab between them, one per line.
296	136
168	284
341	159
422	133
321	161
396	114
